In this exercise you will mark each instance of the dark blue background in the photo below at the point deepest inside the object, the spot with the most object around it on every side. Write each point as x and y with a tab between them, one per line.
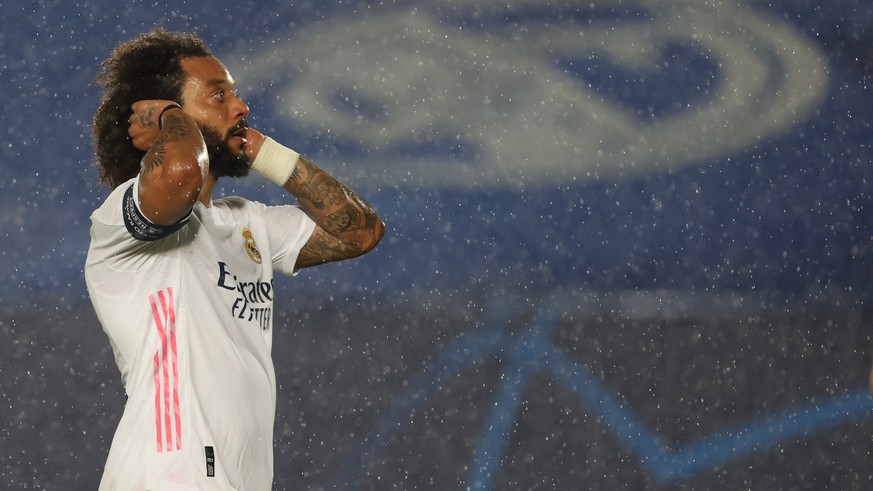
716	298
790	214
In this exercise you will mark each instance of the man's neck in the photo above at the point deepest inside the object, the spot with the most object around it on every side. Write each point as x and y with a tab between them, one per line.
206	191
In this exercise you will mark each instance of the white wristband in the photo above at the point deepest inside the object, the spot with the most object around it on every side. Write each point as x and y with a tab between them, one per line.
275	161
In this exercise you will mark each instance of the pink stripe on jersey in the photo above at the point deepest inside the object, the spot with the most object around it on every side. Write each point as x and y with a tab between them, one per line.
176	409
165	359
157	371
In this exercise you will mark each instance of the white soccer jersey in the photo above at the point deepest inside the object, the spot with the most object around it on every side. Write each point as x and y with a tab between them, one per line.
188	311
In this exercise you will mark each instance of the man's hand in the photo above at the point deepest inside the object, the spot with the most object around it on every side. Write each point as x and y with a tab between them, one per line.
176	163
143	129
254	140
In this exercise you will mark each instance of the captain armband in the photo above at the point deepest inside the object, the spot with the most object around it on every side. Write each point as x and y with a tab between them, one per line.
275	161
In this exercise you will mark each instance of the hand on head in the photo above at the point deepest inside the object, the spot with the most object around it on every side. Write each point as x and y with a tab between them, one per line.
144	122
144	127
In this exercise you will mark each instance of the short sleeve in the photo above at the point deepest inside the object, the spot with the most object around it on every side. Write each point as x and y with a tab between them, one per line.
289	229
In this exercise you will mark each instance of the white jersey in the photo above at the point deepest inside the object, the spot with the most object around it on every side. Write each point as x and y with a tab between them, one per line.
189	313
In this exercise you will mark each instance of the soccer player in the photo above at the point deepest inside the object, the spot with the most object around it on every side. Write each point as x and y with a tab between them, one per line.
183	283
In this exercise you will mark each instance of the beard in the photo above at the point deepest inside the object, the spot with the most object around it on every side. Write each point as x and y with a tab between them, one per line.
222	160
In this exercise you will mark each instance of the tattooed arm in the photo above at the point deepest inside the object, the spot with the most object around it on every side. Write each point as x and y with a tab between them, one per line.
175	165
346	225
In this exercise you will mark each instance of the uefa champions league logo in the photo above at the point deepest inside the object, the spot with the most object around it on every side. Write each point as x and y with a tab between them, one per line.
491	78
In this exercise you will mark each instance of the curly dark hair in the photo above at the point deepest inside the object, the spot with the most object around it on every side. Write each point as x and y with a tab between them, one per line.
147	67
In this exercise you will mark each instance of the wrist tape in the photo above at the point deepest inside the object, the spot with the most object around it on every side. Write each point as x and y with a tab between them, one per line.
275	161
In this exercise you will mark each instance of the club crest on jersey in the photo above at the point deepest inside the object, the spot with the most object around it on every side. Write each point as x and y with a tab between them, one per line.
251	247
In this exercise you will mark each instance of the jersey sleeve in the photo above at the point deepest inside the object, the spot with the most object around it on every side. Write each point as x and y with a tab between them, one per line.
289	229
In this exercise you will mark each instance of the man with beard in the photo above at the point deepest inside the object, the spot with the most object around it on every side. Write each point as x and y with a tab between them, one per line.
183	283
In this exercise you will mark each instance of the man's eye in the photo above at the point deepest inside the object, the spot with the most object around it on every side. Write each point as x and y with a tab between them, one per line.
219	94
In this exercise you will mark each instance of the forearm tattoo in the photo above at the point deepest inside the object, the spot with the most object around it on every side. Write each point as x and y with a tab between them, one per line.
174	129
352	224
154	157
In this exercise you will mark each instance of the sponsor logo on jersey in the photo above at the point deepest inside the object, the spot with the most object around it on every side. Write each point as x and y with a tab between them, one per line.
254	300
251	246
